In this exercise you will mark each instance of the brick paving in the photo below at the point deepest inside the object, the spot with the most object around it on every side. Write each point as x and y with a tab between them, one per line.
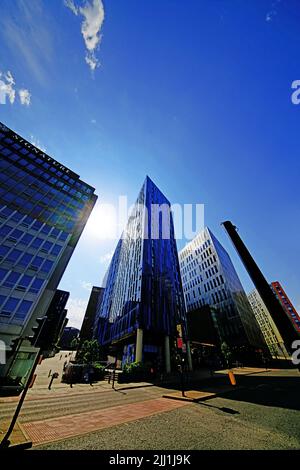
40	432
18	436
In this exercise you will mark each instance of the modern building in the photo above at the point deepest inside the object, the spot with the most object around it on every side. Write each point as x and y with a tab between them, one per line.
44	207
87	327
55	323
143	300
286	304
69	334
268	328
209	278
204	337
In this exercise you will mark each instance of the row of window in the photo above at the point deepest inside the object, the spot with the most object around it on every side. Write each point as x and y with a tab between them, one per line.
57	174
29	184
26	260
193	305
16	235
219	296
214	283
38	211
22	282
29	222
189	258
30	189
209	262
211	272
11	305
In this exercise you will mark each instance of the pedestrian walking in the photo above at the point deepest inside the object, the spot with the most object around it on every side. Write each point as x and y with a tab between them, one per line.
91	376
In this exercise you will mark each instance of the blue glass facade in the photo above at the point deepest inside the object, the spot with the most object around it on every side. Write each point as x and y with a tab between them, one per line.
143	285
43	209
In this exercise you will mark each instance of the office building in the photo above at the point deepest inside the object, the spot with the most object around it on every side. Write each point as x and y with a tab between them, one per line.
286	304
87	327
268	328
44	207
209	278
143	300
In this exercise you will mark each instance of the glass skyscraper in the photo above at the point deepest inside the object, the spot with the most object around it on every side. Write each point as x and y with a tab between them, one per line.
44	207
209	278
143	300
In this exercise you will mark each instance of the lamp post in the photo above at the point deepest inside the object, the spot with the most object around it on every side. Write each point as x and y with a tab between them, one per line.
5	443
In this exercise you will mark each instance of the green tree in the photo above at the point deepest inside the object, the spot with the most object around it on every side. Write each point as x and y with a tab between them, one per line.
89	352
74	343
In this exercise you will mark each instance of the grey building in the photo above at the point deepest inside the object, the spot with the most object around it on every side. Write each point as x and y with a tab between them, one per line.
209	278
269	330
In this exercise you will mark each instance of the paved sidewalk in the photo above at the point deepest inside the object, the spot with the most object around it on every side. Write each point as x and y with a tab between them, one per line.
40	432
18	436
200	395
244	371
63	390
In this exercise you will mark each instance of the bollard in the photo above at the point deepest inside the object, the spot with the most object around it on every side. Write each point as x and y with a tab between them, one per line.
231	377
54	376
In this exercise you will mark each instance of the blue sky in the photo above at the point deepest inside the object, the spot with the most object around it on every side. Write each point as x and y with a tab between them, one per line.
196	94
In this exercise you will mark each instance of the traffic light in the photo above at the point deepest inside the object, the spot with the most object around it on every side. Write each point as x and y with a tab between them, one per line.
36	339
15	343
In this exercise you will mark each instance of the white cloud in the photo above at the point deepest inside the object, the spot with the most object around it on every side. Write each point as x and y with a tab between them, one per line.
273	12
25	96
105	259
92	62
37	143
28	33
70	4
93	17
8	89
76	310
86	285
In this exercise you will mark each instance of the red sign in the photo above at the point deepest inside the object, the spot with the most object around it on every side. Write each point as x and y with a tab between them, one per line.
179	343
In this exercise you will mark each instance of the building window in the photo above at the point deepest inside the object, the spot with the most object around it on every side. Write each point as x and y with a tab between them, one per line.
47	266
24	282
37	243
10	306
56	250
14	255
11	279
26	259
36	285
5	230
36	263
3	273
26	239
24	308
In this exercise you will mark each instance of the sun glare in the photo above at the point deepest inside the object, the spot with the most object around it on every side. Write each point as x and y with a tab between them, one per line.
102	222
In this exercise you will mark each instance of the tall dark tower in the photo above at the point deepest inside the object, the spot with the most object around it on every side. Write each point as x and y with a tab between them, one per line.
143	301
281	320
